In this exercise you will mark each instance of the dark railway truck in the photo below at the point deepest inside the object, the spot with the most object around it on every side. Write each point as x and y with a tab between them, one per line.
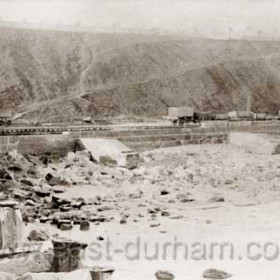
183	115
6	118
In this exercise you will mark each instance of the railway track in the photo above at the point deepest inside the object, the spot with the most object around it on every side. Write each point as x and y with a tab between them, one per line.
64	128
41	130
26	130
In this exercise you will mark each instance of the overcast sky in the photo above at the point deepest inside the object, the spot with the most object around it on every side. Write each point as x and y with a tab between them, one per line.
212	18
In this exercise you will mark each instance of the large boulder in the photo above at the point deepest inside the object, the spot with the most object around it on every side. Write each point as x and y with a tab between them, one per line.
52	179
38	235
33	262
13	164
5	175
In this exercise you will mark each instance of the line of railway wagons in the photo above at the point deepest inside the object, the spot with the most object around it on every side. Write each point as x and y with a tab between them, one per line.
239	116
182	115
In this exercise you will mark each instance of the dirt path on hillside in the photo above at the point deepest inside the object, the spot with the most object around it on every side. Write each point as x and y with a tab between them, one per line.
82	85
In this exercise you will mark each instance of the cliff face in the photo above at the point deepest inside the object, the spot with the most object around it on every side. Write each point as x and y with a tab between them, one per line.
55	76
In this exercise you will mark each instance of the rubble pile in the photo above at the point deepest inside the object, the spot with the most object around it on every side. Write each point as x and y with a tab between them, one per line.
170	187
164	177
39	184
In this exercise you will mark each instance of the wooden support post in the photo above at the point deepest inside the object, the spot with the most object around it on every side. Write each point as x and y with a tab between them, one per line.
66	255
11	225
101	273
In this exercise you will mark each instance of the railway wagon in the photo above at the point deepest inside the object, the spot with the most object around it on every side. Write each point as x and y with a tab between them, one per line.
239	116
208	116
182	115
222	117
6	118
259	116
269	117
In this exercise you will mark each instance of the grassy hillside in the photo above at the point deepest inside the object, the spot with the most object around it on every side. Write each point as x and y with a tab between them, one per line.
49	75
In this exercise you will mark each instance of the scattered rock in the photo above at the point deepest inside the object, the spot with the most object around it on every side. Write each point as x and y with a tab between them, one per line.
127	215
182	196
65	208
164	275
187	200
165	214
4	174
32	172
180	217
8	203
38	235
15	167
105	208
21	194
151	211
30	220
123	221
43	220
215	274
99	219
42	191
229	182
135	195
217	198
3	197
64	224
164	192
52	179
27	182
58	189
65	227
84	225
155	225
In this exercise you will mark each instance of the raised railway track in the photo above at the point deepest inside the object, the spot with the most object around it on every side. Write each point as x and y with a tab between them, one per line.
137	128
41	130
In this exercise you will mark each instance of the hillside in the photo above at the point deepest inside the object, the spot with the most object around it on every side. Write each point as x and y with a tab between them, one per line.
54	76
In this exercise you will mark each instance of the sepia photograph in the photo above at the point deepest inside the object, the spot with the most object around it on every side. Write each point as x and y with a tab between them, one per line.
139	139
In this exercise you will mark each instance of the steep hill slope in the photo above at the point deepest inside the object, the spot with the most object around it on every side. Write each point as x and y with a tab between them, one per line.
51	75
